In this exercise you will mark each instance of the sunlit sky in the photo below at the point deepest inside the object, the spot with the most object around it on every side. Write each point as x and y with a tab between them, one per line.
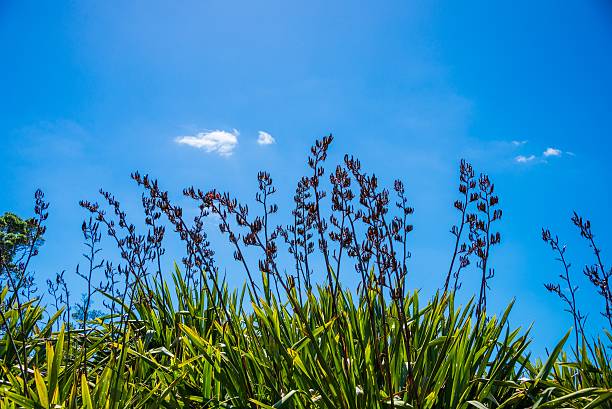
185	90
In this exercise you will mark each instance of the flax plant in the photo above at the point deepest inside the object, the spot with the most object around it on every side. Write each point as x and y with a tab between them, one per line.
282	340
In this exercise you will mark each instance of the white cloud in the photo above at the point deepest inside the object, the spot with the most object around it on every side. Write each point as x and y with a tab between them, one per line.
519	143
221	142
524	159
265	138
552	152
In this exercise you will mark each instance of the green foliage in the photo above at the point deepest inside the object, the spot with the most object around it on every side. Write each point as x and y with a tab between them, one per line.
275	355
284	341
15	234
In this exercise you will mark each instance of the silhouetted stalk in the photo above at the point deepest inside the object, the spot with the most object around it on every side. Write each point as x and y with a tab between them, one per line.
92	238
485	238
224	226
556	289
319	154
601	278
466	185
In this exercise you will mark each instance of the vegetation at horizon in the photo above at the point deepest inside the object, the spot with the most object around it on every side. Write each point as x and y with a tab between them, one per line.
283	340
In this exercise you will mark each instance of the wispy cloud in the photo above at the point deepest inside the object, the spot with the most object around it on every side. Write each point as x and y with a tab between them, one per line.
265	138
220	142
548	153
519	143
524	159
552	152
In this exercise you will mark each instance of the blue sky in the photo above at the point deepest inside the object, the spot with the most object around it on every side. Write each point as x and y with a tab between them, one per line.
93	91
